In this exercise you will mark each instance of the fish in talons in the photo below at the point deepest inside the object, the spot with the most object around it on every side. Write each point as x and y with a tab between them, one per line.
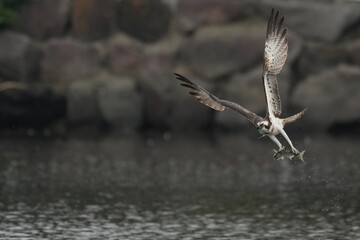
283	154
275	55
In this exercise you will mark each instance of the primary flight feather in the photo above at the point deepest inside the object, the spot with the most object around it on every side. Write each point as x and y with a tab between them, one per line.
275	54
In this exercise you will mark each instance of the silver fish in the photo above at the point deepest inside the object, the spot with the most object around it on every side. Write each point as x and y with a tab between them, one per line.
288	154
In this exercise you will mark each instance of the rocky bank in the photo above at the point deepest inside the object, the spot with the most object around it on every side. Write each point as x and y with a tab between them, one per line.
109	63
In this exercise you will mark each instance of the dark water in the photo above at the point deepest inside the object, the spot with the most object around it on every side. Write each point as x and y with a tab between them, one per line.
226	187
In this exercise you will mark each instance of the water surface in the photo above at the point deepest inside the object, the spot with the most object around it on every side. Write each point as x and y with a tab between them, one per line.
199	187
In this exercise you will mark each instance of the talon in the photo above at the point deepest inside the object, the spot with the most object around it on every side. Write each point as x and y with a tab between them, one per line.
278	154
295	151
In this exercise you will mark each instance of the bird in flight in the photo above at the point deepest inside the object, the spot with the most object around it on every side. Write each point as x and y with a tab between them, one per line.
275	54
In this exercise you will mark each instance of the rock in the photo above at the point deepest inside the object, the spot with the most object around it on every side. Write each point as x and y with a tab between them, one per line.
67	59
92	19
317	57
187	114
352	51
247	90
124	55
194	13
219	51
171	3
331	96
120	104
147	20
44	19
19	58
295	48
157	104
29	106
156	83
319	21
82	104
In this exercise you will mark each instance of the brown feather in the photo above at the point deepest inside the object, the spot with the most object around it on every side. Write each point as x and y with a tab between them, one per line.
213	102
200	94
275	54
293	118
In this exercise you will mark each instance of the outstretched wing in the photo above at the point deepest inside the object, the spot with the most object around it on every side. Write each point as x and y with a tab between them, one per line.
201	94
276	47
214	102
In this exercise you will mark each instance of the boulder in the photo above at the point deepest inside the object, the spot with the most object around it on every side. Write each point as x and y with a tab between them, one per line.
331	96
120	104
192	14
352	50
29	106
19	58
93	19
156	83
171	3
187	114
44	19
247	90
146	20
316	57
66	60
295	48
320	21
82	104
124	55
219	51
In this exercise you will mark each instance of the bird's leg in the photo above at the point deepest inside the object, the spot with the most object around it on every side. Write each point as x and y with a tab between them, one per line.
281	147
276	141
293	149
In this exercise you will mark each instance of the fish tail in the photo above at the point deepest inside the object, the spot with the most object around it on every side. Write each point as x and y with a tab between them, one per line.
301	156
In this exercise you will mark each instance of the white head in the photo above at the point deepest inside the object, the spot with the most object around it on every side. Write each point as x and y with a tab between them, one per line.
263	126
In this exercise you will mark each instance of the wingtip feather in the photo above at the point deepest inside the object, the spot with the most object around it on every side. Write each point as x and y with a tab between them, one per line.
188	86
275	25
182	78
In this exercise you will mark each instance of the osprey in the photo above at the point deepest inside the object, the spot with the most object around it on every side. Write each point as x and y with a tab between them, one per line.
276	47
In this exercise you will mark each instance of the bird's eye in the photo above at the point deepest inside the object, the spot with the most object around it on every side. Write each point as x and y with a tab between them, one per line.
267	127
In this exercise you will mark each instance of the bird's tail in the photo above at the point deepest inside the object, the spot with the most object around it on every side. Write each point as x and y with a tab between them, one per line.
293	118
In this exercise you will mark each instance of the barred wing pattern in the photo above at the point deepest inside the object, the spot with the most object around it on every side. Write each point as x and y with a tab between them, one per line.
200	94
276	47
214	102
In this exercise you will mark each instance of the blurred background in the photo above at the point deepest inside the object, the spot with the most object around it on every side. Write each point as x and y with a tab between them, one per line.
97	139
107	65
